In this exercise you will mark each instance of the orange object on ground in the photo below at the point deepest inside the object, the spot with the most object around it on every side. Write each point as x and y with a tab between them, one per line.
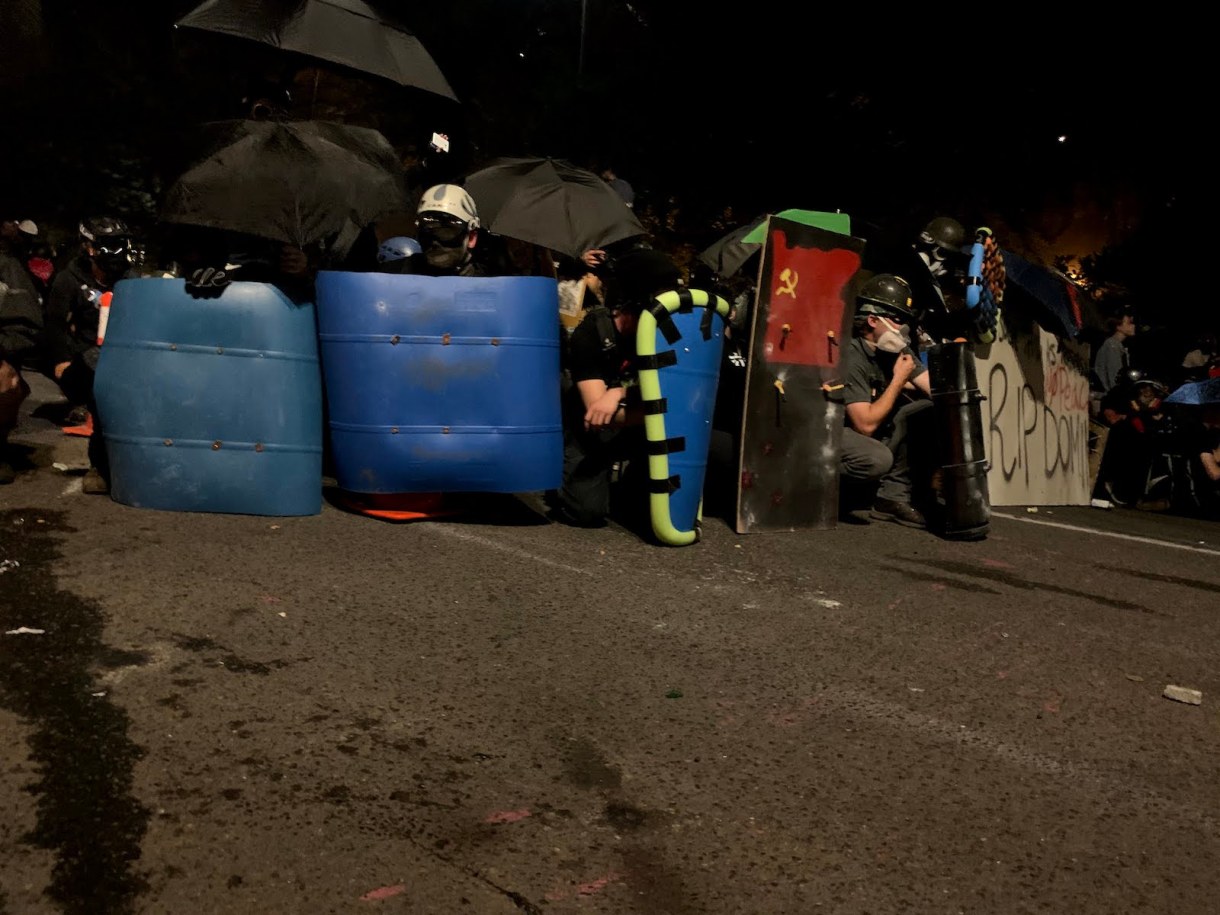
404	506
85	429
103	315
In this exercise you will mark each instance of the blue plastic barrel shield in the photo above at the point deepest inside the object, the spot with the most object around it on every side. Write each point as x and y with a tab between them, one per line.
441	384
212	404
689	389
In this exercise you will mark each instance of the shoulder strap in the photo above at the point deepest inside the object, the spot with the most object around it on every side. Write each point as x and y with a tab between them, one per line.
607	333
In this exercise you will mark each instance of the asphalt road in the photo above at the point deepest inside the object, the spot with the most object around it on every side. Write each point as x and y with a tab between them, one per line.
496	714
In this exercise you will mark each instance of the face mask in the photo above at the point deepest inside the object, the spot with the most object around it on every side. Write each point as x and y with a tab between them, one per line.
113	265
893	339
445	257
935	267
443	241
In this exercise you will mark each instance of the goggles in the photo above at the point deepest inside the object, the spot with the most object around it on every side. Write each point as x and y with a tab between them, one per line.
111	247
445	229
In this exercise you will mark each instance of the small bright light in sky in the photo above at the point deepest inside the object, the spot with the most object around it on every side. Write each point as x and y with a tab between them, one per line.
1063	138
520	53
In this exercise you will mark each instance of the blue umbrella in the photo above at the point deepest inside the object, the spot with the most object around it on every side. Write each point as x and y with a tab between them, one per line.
1197	392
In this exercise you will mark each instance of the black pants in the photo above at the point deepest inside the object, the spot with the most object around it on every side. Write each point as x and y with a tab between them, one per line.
77	384
10	410
905	451
588	459
1125	463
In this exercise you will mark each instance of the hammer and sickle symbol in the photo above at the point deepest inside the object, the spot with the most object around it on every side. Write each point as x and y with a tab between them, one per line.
788	280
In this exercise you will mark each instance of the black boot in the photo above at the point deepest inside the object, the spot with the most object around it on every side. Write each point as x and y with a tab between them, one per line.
7	472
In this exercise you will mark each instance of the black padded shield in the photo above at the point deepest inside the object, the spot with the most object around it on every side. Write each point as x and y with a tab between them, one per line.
792	438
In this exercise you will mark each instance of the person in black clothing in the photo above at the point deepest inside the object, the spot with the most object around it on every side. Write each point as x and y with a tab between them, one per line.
72	314
20	330
1133	410
603	420
19	238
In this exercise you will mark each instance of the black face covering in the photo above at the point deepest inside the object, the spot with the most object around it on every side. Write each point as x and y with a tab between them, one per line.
113	265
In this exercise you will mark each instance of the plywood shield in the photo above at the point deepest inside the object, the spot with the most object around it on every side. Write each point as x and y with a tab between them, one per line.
792	426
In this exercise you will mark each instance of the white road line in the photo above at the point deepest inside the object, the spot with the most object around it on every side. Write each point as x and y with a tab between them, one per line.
1115	534
848	701
450	530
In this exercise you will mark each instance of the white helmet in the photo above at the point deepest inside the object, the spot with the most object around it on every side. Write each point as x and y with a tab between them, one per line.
451	199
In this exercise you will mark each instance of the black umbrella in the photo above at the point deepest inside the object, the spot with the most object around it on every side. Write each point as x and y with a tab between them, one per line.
347	32
729	254
552	203
297	182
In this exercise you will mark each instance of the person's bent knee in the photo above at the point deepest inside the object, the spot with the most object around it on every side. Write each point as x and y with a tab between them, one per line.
869	460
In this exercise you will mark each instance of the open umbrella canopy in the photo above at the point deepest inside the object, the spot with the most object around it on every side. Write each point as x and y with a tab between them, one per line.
1197	393
729	254
831	222
296	182
346	32
552	203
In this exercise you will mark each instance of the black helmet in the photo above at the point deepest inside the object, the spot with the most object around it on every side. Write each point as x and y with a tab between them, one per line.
104	228
944	232
1139	378
887	295
635	277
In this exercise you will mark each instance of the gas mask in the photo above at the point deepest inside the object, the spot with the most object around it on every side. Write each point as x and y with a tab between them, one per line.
893	338
936	265
443	241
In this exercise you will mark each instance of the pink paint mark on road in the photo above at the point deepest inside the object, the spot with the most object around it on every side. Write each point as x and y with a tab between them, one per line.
596	886
383	892
937	586
998	564
506	816
270	599
583	889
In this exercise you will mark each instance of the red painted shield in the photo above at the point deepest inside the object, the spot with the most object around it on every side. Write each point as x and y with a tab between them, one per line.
806	294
